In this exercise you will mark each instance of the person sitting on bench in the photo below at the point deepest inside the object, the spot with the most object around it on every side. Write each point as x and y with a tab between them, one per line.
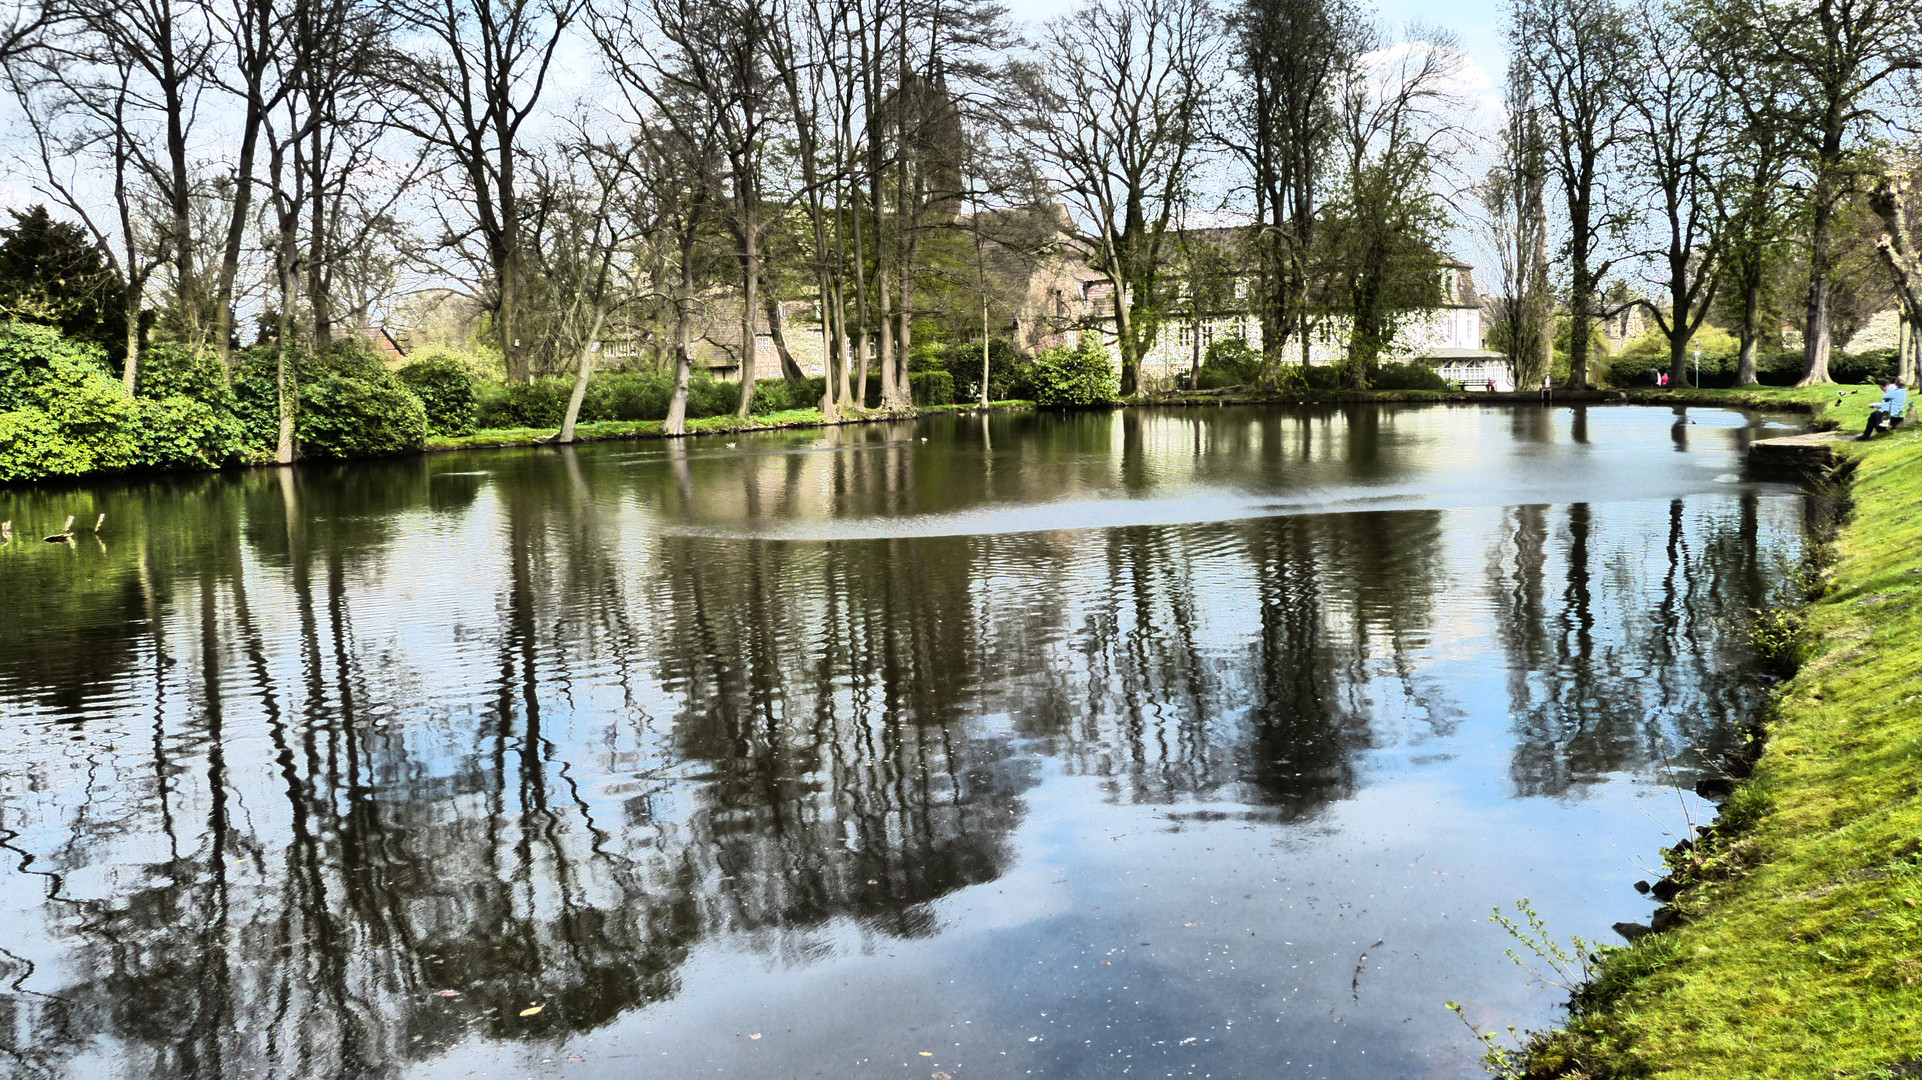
1887	412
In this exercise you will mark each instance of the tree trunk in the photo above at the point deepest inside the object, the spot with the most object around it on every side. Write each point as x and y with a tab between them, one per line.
318	301
777	329
130	374
883	306
512	357
676	423
750	289
584	372
985	341
236	232
1745	374
1124	336
1815	332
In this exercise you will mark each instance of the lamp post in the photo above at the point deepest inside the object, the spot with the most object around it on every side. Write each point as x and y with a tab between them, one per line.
1698	369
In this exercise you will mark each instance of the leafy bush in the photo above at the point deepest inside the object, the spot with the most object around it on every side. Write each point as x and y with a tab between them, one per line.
359	413
169	370
255	401
929	356
1008	371
540	403
348	404
1228	362
1076	378
628	396
924	388
931	388
1773	367
1408	377
445	389
179	432
780	395
61	413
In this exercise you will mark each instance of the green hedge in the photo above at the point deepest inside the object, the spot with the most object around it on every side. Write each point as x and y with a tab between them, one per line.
1010	374
1076	378
1228	362
61	412
1407	377
924	388
1773	367
356	414
446	390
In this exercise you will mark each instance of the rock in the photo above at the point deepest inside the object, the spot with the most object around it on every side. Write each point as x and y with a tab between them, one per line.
1714	787
1665	918
1642	887
1632	931
1666	889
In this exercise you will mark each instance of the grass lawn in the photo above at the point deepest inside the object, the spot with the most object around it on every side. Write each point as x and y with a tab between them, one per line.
1803	953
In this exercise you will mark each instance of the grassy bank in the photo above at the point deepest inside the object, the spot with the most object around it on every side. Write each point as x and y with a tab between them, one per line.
708	425
1799	953
1812	400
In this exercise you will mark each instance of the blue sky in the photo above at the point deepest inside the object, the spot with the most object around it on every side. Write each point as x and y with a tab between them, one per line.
1478	22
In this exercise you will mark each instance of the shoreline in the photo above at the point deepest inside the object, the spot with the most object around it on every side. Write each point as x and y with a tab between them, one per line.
1761	398
1777	399
1790	943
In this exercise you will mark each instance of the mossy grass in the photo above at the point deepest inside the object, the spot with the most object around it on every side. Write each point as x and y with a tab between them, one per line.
1800	953
608	430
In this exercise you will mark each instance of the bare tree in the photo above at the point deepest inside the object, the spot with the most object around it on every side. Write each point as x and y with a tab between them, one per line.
83	130
721	54
1119	117
474	93
1583	60
257	33
1384	227
1512	198
1290	56
1681	123
25	25
584	230
169	49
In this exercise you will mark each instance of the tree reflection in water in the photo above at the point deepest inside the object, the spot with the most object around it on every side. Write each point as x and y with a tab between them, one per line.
296	753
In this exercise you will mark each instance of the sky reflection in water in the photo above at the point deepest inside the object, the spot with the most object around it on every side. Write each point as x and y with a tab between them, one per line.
1089	746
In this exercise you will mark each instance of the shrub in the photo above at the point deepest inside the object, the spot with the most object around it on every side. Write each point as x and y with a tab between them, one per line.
1008	370
1408	377
445	389
924	388
358	413
179	432
537	404
780	395
931	388
172	370
1229	362
348	404
61	413
709	396
929	356
1076	378
255	403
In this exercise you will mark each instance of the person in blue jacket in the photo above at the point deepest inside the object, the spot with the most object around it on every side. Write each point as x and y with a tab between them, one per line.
1887	412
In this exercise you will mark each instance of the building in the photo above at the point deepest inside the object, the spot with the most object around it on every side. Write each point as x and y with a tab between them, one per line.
1449	334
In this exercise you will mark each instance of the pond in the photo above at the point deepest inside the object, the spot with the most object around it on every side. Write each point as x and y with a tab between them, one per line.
1148	743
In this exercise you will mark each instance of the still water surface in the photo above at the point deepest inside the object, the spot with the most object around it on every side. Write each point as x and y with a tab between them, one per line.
1154	743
